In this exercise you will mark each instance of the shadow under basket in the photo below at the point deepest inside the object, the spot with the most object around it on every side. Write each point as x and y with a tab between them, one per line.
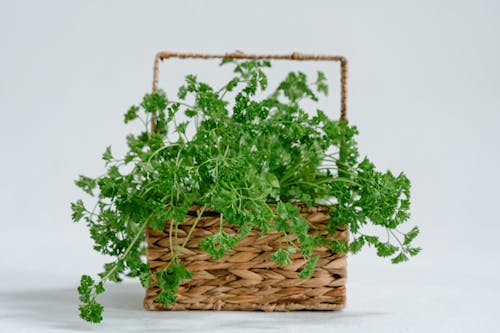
246	278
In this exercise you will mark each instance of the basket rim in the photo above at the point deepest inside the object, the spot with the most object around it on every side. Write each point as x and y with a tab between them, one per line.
195	209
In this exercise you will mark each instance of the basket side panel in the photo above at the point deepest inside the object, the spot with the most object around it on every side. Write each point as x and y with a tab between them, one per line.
245	278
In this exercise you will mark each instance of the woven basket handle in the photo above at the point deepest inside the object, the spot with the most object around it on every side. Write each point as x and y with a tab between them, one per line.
294	56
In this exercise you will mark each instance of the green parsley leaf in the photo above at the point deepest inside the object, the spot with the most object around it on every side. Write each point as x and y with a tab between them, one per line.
411	235
308	268
169	281
107	156
218	244
86	184
401	257
131	114
78	210
281	257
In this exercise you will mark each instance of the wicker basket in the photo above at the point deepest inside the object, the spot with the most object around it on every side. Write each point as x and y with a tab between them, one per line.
245	278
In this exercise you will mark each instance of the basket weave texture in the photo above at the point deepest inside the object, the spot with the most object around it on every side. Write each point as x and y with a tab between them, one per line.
245	278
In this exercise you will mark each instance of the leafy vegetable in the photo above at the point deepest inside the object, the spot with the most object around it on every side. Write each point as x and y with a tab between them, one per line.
248	154
169	280
281	257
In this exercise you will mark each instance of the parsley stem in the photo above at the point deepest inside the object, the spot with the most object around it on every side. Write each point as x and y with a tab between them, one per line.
183	104
396	238
129	248
289	241
160	149
193	227
170	236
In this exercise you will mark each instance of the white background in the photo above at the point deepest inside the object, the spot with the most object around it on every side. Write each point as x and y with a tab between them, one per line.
424	90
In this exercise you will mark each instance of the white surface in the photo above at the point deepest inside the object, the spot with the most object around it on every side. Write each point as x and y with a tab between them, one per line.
424	90
454	294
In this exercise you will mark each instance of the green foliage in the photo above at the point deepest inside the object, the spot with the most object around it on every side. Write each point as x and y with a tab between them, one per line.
282	257
218	244
90	310
251	159
338	246
356	245
411	235
78	210
107	156
86	184
308	268
321	83
131	114
169	280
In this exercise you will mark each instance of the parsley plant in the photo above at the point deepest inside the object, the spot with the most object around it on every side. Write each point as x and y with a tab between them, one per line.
250	159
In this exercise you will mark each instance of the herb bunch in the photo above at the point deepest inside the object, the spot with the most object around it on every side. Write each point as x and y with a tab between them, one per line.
251	159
